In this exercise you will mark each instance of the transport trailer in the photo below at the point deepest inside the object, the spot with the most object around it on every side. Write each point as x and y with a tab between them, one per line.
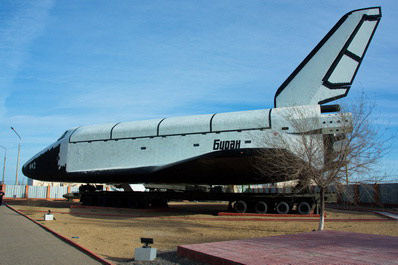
239	202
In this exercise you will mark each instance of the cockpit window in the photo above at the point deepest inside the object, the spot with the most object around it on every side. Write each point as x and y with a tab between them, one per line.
62	136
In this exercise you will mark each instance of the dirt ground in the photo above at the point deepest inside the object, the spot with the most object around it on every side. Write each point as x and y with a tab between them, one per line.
115	233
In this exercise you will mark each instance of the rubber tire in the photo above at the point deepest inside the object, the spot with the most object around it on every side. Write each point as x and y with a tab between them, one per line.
240	207
303	208
282	208
261	207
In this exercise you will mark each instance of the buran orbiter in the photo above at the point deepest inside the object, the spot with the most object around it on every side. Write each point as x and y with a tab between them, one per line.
214	148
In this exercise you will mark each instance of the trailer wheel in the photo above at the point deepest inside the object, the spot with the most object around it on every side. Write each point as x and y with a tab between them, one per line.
240	206
282	208
304	208
261	207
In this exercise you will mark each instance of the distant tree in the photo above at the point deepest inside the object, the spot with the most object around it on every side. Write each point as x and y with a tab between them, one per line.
325	151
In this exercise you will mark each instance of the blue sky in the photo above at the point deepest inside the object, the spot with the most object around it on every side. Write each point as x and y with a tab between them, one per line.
71	63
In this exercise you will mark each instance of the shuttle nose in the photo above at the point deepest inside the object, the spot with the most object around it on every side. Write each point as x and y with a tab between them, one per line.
29	168
44	165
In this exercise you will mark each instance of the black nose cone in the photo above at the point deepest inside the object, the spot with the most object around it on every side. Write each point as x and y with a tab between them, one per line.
29	169
45	166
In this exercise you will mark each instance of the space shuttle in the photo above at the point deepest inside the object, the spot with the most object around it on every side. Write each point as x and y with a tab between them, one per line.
215	149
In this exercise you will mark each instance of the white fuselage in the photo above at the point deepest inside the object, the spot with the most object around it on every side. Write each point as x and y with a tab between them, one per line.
164	142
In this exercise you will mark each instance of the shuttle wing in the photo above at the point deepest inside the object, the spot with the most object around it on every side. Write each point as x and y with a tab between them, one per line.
327	73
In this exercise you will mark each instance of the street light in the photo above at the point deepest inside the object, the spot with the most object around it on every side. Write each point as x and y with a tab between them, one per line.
4	166
19	150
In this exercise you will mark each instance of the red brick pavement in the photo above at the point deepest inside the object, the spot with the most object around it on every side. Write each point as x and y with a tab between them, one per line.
323	247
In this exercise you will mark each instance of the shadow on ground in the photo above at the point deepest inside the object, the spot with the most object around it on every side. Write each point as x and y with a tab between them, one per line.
164	258
42	203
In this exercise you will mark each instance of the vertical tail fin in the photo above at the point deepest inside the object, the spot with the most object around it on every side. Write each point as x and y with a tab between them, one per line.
327	73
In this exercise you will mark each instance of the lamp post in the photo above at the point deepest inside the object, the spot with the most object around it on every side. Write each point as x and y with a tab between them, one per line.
19	150
4	166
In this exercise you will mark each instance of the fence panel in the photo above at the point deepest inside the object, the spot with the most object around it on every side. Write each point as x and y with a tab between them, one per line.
74	189
58	192
366	193
15	190
348	194
388	193
331	189
37	192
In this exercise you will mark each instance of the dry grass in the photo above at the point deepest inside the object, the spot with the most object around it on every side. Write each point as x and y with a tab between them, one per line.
116	234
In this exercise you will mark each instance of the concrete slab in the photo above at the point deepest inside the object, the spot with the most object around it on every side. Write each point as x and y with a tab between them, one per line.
24	242
321	247
388	214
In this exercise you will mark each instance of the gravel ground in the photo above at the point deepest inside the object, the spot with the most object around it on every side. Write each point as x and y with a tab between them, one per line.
115	233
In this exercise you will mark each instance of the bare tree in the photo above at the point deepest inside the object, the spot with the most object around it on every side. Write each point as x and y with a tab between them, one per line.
325	150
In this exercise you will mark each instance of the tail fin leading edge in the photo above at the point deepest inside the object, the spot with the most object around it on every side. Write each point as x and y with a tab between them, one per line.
327	73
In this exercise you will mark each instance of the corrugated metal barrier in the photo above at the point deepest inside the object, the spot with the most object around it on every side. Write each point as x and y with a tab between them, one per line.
380	194
58	192
14	191
38	192
35	192
74	189
389	193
